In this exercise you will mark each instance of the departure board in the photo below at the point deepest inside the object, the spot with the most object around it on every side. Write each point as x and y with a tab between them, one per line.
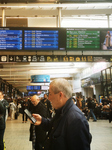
10	39
41	39
36	87
82	39
29	87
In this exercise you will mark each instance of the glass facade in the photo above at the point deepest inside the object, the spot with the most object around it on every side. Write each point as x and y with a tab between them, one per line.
106	81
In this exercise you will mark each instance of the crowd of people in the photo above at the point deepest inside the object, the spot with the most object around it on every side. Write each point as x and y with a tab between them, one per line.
59	123
92	108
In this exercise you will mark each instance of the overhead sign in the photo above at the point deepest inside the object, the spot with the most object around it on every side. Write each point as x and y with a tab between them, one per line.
41	39
82	39
40	78
57	58
50	39
3	58
30	87
44	87
10	39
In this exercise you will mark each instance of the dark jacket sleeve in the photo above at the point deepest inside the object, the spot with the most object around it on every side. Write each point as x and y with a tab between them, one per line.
5	104
46	123
2	109
78	130
43	110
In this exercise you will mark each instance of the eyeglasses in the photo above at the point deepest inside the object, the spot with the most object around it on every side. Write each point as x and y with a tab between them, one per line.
50	93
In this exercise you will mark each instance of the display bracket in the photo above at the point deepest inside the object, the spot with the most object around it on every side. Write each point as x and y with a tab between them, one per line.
66	53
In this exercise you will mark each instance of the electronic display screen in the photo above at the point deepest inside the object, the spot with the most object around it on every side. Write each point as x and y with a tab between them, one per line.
78	39
36	87
44	87
41	39
10	39
29	87
32	93
61	39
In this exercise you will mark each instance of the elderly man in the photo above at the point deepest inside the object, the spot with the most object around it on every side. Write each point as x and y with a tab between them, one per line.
40	134
69	129
3	106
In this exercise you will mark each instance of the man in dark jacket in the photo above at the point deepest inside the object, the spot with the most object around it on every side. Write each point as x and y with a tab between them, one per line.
40	135
3	106
69	129
47	104
91	106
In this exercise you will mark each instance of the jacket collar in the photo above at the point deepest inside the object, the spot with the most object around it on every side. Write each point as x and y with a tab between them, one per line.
65	108
67	105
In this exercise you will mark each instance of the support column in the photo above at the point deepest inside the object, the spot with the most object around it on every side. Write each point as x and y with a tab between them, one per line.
3	18
108	19
57	22
59	16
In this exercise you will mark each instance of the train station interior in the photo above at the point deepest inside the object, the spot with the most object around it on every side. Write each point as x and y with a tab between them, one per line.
86	63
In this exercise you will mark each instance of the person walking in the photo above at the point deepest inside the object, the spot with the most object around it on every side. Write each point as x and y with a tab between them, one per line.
12	110
91	106
24	105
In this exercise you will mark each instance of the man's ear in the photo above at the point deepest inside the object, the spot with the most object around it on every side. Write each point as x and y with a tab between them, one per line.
61	94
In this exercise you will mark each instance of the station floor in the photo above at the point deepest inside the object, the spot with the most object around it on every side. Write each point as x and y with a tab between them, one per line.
17	135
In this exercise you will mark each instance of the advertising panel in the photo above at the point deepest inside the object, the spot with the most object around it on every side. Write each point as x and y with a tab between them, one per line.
40	78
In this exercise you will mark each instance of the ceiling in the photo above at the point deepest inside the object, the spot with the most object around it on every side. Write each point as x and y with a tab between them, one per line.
19	74
51	9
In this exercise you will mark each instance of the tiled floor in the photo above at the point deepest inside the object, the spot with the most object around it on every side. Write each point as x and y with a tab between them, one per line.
17	135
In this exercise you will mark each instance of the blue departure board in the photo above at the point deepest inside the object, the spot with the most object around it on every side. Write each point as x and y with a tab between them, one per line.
41	39
29	87
32	93
10	39
36	87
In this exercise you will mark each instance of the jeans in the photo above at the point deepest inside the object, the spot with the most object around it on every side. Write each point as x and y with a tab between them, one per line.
1	139
91	113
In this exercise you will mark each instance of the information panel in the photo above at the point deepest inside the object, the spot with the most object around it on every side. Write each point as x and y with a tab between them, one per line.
10	39
36	87
41	39
82	39
29	87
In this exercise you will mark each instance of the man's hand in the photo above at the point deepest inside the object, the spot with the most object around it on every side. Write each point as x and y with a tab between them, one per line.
38	118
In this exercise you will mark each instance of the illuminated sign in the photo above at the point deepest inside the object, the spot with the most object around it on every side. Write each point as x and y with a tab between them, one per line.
10	39
82	39
41	39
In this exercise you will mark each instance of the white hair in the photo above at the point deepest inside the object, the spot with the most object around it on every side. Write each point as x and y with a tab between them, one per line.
61	85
